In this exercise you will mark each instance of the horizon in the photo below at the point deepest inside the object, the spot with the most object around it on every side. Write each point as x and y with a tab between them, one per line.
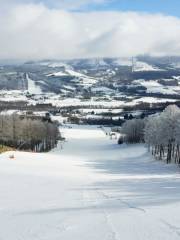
26	61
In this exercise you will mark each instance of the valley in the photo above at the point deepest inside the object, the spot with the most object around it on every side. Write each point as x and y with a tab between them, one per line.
92	88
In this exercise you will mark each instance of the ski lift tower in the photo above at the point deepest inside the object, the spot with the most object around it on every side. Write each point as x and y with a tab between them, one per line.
133	64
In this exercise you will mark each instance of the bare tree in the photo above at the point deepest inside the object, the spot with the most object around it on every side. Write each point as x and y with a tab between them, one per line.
29	133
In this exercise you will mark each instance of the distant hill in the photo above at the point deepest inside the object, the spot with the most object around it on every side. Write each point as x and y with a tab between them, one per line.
124	75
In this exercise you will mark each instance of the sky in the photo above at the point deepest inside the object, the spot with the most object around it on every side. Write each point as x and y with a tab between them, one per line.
167	7
39	29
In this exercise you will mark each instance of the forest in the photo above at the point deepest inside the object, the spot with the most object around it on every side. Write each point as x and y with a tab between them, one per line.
25	133
160	132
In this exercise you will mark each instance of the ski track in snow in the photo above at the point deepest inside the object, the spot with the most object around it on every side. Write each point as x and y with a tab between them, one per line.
171	227
89	189
112	233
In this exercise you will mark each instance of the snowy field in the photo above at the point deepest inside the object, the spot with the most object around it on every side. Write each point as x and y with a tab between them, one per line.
153	86
89	188
32	87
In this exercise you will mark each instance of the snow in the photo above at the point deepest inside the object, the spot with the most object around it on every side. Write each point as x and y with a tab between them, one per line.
102	89
155	87
9	112
65	91
69	87
59	118
150	83
151	100
32	87
90	189
74	73
80	78
12	95
54	64
177	78
143	66
95	103
78	102
57	74
84	79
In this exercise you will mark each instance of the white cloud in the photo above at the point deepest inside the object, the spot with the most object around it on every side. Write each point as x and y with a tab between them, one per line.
31	31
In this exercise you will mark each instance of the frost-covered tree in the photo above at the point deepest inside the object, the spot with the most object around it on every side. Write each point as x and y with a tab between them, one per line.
162	134
133	131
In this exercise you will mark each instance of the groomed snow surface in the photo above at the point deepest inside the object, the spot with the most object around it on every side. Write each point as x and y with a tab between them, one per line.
89	188
32	87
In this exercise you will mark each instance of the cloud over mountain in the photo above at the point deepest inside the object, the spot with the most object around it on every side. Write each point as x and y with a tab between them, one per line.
33	30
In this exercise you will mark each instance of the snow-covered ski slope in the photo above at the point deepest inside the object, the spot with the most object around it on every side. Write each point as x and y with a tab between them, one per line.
32	87
92	189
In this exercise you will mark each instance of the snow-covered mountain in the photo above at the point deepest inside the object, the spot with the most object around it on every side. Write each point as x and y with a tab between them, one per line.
130	76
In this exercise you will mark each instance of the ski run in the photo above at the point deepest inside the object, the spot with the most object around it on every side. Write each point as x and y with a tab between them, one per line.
88	188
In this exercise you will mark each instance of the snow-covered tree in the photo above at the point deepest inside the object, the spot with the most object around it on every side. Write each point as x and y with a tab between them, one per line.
162	134
133	131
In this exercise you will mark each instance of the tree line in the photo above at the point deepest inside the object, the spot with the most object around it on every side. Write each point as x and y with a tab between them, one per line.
161	133
26	133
